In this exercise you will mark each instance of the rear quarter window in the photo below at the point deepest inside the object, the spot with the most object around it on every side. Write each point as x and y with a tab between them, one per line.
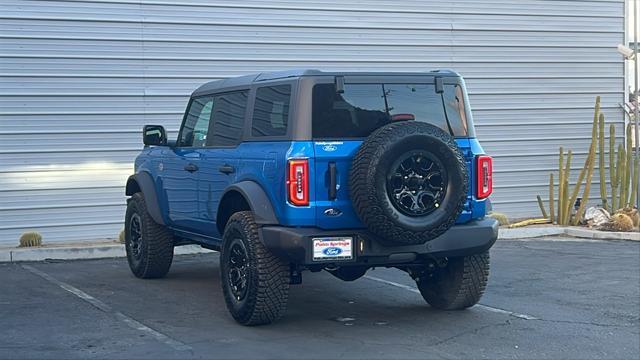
271	111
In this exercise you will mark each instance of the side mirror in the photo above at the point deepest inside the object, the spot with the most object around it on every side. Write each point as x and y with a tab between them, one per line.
154	135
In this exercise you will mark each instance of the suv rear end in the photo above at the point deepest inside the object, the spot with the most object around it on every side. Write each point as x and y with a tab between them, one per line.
334	114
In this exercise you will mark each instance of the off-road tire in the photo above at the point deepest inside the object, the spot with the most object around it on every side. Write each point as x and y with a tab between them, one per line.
457	286
368	175
268	276
156	250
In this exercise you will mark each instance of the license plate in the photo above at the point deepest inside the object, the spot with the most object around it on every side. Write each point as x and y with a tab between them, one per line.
335	248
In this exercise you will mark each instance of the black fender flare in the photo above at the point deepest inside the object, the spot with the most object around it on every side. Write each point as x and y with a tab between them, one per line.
257	199
142	182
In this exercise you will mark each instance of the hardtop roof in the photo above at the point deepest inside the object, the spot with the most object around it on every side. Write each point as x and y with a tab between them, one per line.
246	80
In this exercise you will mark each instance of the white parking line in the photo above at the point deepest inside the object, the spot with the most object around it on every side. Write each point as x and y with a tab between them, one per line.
134	324
480	306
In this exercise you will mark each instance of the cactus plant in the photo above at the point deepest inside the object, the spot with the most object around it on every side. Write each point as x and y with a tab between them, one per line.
619	222
30	238
612	165
541	205
551	200
590	159
567	173
622	175
565	199
634	180
560	186
601	165
587	186
628	168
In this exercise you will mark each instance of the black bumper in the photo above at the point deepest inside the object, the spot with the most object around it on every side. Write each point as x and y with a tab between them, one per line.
295	244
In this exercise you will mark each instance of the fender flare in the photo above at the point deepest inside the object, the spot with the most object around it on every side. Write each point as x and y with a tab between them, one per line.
142	182
257	199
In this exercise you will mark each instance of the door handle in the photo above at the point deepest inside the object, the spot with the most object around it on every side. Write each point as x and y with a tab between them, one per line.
227	169
191	167
333	181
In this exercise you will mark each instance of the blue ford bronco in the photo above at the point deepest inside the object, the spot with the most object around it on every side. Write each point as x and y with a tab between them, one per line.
308	170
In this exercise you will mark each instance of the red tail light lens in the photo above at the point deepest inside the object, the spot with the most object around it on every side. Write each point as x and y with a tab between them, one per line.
298	182
484	169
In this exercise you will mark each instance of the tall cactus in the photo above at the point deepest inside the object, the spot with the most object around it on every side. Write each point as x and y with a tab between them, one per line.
612	166
541	206
567	175
565	199
628	168
634	180
551	200
592	161
590	158
601	165
621	174
560	186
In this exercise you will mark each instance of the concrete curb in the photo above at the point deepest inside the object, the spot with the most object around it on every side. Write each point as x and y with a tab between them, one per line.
529	232
80	251
572	231
88	250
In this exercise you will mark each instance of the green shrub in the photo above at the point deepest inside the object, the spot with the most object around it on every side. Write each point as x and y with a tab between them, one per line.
121	236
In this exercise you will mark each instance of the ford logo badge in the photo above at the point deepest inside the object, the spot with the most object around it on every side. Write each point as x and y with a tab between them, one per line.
332	212
332	251
329	148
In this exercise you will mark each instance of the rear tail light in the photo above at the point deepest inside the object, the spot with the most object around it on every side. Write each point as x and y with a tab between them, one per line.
484	169
298	182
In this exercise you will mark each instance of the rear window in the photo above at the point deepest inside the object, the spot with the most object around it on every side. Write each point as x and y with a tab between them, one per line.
363	108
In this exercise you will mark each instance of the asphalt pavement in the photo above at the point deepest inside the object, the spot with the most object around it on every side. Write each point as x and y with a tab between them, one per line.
546	299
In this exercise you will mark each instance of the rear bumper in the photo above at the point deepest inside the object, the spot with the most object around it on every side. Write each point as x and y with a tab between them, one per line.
295	244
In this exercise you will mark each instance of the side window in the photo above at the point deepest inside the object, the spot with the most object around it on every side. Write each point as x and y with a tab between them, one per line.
454	105
271	111
228	118
196	126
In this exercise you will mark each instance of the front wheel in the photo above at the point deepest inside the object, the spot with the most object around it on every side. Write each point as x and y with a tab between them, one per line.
458	285
255	283
149	245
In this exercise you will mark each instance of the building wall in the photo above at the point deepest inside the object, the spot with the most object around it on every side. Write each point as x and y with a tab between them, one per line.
78	79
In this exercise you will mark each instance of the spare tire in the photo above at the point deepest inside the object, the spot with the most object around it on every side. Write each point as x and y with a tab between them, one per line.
408	182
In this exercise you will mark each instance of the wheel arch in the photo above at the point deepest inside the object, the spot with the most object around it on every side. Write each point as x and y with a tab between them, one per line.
143	182
245	195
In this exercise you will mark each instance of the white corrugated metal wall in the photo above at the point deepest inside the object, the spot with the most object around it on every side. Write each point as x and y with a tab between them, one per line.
78	79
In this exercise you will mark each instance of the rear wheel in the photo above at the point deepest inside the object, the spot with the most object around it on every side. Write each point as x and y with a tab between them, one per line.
255	283
149	245
458	285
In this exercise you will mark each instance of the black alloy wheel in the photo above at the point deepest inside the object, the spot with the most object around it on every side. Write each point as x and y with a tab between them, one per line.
238	270
416	183
135	234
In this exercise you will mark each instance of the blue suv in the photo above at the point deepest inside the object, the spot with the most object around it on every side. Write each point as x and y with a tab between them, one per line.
308	170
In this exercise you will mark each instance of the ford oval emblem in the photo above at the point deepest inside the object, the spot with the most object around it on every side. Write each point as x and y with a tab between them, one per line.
332	251
329	148
332	212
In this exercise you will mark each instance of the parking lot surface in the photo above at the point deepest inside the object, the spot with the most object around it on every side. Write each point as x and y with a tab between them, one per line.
554	298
